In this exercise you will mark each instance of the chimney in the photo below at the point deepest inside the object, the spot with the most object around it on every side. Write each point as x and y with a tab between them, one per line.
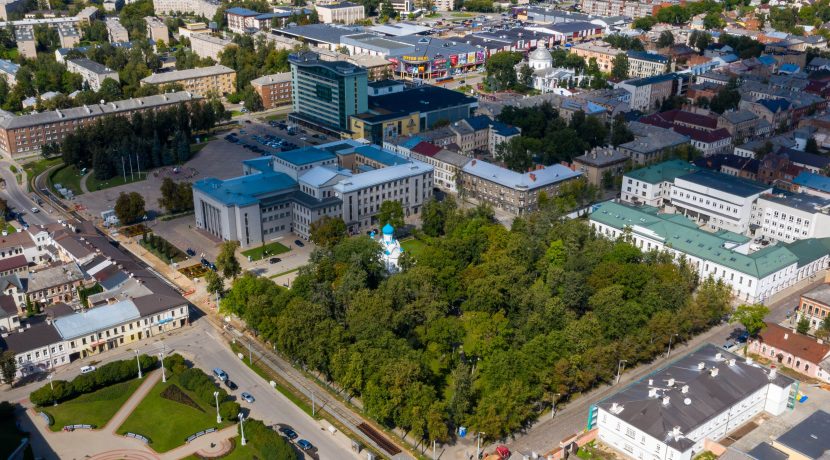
713	372
749	360
671	382
666	400
786	336
652	392
675	432
773	373
719	356
684	389
731	362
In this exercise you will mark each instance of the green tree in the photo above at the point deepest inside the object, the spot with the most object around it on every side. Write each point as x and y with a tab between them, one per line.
391	212
435	214
501	71
129	207
619	70
666	39
526	74
751	317
812	146
328	231
620	134
803	326
214	283
8	366
226	261
516	153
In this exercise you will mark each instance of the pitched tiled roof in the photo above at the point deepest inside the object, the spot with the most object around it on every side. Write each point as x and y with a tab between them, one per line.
798	345
12	263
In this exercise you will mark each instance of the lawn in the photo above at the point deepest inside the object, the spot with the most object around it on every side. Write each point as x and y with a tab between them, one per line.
95	408
463	15
284	273
10	229
168	423
68	176
268	250
413	246
93	184
34	168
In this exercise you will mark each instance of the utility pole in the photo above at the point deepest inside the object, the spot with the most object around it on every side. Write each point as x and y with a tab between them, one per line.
123	169
553	407
138	165
619	372
132	176
668	353
250	355
478	445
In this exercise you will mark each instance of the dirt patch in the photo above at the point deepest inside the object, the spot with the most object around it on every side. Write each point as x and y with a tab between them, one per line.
194	271
175	394
135	230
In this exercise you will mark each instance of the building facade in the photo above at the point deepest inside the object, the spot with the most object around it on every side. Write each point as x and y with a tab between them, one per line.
274	90
786	347
204	81
208	46
789	217
204	8
157	30
117	33
92	72
340	13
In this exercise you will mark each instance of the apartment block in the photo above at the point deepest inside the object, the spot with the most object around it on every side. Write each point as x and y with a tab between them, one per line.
274	90
157	30
68	34
216	79
204	8
208	46
341	13
93	73
25	38
642	64
117	33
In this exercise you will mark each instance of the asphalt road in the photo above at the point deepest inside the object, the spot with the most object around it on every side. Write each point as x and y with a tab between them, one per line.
19	200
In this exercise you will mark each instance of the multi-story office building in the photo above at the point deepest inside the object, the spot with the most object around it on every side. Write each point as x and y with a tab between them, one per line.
92	72
274	90
289	191
325	94
208	46
791	216
24	135
652	185
704	395
341	13
157	30
717	200
216	79
117	33
204	8
513	192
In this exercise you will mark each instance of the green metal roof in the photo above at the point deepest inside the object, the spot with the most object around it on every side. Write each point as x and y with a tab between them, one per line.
809	250
676	231
666	171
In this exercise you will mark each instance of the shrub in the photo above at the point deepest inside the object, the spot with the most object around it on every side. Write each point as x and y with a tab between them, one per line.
175	394
201	385
270	445
229	410
175	364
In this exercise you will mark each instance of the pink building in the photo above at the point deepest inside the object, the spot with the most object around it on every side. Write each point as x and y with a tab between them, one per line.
787	348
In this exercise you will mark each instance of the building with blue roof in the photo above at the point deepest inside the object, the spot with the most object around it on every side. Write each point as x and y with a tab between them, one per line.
8	70
516	193
643	64
646	92
755	273
287	192
812	183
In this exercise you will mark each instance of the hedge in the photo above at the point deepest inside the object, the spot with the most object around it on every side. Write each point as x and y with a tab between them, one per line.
106	375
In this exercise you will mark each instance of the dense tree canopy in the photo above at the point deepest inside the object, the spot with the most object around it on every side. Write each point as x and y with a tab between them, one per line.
485	325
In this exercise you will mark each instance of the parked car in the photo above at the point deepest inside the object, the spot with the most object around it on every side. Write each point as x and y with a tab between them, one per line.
274	260
35	210
247	398
289	433
743	337
728	345
204	262
87	369
305	445
231	386
220	374
190	252
299	243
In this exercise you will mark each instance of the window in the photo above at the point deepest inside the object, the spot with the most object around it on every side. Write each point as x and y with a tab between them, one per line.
629	432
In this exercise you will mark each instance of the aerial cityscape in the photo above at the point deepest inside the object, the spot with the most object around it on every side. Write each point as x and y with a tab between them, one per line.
431	229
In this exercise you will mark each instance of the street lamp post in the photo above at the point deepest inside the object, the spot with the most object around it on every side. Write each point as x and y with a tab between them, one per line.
242	428
218	417
619	371
668	353
52	387
138	364
478	444
553	407
163	374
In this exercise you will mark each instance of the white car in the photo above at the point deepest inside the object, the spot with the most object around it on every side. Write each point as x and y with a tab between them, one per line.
87	369
35	210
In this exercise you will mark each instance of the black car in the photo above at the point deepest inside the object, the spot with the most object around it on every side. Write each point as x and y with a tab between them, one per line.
212	266
247	121
204	262
190	252
289	433
274	260
299	243
231	386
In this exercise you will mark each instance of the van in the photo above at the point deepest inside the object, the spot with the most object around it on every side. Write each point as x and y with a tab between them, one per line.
220	374
87	369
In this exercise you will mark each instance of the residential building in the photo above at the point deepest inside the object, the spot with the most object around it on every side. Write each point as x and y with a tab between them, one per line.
717	200
287	192
92	72
274	90
117	33
701	130
730	164
87	15
642	64
24	35
68	34
786	347
647	93
814	305
157	30
788	217
742	124
24	135
325	94
602	52
704	395
514	192
601	166
208	46
340	13
9	316
204	8
55	284
237	17
631	8
14	287
8	71
652	185
651	144
445	5
806	441
10	6
12	265
447	165
813	184
754	272
217	79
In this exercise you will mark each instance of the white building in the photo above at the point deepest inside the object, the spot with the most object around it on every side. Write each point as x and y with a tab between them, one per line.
117	33
340	13
706	394
391	250
204	8
715	199
208	46
754	272
790	217
652	185
92	72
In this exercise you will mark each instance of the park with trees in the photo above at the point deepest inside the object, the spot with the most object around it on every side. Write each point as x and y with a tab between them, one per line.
484	325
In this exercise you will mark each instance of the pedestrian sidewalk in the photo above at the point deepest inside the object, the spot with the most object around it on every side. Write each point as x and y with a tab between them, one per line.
150	380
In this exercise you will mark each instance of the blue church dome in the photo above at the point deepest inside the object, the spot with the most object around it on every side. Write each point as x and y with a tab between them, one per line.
388	229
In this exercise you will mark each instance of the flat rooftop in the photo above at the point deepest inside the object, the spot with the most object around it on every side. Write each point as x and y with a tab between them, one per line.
423	99
811	437
725	183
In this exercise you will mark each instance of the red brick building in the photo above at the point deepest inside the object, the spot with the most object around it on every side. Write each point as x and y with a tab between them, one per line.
274	90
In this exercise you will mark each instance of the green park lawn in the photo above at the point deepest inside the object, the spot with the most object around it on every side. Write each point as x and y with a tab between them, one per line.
95	408
10	229
413	246
69	177
269	250
93	184
168	423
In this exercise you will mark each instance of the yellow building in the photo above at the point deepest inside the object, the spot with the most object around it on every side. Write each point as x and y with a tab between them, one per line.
216	79
377	127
